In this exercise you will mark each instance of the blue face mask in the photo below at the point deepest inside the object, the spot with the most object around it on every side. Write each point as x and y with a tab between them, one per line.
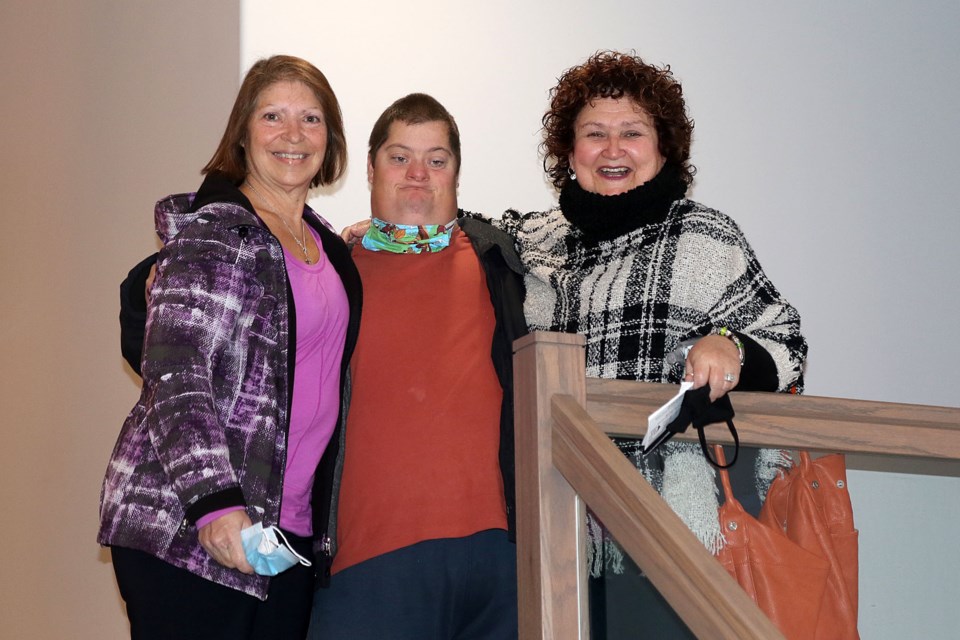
266	554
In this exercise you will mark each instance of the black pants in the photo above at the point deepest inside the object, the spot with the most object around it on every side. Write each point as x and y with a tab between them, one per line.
445	589
165	602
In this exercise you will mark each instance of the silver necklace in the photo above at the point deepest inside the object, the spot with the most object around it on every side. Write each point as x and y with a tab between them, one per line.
303	231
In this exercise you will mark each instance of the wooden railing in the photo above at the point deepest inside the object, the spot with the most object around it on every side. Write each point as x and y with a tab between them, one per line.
565	459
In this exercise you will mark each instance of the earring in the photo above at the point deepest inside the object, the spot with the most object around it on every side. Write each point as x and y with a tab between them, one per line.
571	173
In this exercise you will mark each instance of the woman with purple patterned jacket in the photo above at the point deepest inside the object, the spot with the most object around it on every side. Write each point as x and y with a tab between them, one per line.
251	286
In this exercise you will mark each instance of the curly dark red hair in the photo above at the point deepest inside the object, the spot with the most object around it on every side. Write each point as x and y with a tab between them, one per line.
611	74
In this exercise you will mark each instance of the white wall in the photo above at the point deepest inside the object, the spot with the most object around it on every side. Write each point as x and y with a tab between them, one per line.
105	106
827	130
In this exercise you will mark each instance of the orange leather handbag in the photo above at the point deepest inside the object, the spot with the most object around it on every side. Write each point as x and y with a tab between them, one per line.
786	581
811	505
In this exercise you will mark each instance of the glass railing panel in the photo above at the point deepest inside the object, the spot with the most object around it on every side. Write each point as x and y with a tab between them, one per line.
623	603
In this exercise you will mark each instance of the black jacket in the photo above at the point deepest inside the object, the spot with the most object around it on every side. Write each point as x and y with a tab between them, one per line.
504	272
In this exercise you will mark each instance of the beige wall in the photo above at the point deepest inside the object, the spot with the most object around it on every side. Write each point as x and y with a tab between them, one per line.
105	106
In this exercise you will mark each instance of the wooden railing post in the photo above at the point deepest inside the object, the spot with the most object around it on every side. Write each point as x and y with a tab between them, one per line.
550	572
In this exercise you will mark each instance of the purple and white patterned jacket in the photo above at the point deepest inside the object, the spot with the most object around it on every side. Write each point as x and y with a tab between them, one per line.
209	430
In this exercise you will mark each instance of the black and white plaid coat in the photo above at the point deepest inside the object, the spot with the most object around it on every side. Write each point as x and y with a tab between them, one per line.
637	296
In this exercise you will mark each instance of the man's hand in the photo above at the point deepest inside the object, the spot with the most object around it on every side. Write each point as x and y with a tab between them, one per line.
150	278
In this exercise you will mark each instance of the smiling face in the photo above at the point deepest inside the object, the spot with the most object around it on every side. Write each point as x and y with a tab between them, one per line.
286	137
615	146
413	177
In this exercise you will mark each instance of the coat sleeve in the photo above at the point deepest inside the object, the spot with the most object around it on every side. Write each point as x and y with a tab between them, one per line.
201	288
749	303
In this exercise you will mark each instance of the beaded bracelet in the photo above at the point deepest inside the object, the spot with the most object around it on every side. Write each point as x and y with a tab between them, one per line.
737	342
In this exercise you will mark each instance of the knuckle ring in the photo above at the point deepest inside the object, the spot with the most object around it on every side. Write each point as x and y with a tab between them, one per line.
729	377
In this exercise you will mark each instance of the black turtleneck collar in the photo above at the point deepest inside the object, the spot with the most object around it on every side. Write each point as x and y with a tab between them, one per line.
602	218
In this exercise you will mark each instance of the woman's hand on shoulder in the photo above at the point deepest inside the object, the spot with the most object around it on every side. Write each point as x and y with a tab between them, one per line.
221	539
714	360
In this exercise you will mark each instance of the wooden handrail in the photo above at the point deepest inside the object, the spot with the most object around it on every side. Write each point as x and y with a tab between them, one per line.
792	422
564	456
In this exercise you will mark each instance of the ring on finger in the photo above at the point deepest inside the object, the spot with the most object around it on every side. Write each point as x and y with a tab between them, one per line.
729	377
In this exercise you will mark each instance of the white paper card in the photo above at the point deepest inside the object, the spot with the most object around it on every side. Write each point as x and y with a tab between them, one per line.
659	419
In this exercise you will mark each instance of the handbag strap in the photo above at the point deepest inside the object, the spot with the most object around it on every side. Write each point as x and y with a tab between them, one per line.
719	463
723	473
